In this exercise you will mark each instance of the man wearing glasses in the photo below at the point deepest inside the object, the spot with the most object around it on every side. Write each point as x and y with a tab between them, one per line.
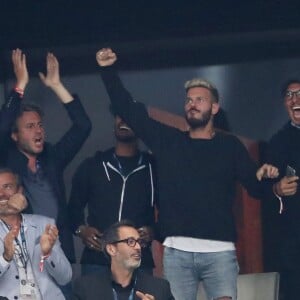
283	152
122	244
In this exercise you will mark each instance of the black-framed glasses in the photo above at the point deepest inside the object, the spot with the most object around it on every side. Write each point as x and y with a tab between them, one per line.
291	94
131	242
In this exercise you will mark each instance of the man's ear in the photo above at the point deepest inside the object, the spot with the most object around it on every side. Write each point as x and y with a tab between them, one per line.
20	190
215	108
111	249
14	136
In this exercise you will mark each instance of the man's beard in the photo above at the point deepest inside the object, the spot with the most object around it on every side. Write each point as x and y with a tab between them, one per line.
132	265
199	123
126	139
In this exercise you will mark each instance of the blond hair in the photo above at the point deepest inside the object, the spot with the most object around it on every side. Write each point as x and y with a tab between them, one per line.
199	82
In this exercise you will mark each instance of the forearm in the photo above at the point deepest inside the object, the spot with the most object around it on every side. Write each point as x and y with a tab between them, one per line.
119	96
58	266
76	210
62	93
68	146
132	112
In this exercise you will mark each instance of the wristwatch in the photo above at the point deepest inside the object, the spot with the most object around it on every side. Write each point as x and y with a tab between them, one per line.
79	230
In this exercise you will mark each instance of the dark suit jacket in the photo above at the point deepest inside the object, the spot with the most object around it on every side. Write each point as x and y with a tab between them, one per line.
95	287
53	159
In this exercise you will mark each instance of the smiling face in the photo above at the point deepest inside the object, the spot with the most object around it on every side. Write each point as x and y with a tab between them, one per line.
200	107
292	102
11	200
30	134
123	132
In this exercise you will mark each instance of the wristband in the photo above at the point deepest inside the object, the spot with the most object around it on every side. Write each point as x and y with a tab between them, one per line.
19	91
42	260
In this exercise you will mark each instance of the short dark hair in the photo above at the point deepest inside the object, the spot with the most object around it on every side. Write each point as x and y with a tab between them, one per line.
286	84
26	108
111	234
8	170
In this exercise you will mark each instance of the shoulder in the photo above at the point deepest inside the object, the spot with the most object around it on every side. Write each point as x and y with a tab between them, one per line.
91	281
282	134
37	219
92	160
90	278
227	138
147	157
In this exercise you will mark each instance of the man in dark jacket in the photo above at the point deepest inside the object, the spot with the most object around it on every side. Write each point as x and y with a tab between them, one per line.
40	165
116	184
122	244
283	152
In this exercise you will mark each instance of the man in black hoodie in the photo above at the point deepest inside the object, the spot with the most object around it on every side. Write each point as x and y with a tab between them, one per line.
115	184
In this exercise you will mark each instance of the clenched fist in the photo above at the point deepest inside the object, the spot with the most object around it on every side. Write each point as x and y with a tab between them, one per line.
106	57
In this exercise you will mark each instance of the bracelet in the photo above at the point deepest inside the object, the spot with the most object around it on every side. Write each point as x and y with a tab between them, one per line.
7	260
78	231
278	197
42	260
19	91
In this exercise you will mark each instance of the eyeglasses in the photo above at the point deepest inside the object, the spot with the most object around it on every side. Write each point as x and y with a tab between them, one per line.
291	94
131	242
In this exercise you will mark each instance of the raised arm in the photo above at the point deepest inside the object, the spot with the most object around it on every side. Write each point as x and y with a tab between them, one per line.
52	79
12	104
20	69
154	134
67	147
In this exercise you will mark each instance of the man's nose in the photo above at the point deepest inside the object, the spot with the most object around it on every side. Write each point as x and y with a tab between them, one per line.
38	129
137	246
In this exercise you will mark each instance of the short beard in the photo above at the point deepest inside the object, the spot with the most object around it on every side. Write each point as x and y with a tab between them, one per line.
126	139
199	123
132	266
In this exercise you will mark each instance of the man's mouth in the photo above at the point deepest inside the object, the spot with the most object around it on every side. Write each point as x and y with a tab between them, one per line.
38	141
136	256
124	127
193	111
3	201
296	111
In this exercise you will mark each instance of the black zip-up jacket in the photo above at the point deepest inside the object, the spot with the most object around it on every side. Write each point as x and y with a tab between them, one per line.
110	196
53	159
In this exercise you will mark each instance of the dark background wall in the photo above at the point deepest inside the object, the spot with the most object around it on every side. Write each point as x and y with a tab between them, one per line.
247	48
250	97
